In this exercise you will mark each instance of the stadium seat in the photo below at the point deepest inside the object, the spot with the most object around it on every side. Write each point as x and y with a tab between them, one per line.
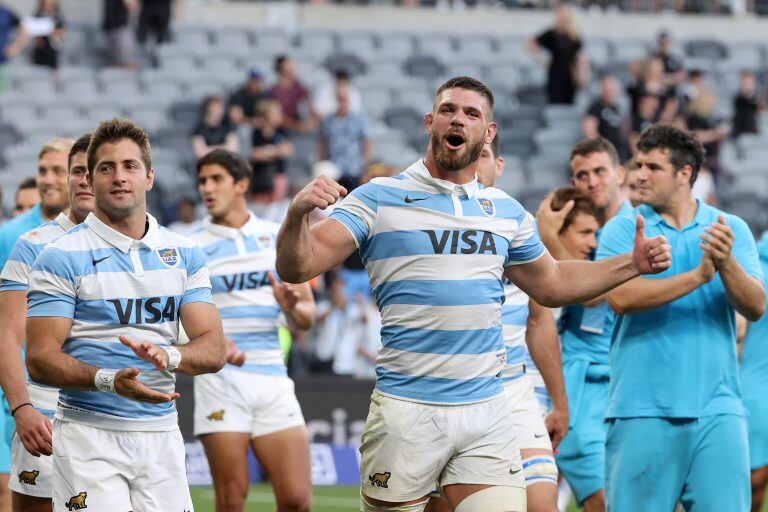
439	45
628	50
395	45
705	48
423	66
343	61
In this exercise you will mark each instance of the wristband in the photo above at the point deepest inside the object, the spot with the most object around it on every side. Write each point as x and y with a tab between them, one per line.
174	357
13	412
105	380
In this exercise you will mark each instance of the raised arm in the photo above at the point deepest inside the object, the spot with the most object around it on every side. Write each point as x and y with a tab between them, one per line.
557	283
544	347
304	252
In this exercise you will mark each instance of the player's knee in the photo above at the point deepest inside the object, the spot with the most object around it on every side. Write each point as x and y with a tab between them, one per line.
495	499
294	501
540	469
367	506
230	497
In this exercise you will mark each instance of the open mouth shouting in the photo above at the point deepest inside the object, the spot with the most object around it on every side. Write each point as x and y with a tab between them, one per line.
454	141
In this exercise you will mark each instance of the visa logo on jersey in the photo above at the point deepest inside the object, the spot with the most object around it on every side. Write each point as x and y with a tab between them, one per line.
147	310
453	241
245	281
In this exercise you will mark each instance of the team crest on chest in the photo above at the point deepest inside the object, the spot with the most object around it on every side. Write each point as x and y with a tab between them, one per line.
169	256
265	241
487	206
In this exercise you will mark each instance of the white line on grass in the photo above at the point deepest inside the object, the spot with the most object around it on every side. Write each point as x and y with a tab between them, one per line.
266	497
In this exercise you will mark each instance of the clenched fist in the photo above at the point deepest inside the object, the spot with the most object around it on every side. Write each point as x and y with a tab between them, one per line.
320	193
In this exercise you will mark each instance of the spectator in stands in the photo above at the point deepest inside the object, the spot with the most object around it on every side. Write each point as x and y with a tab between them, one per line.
746	105
568	65
120	35
329	325
270	146
648	79
674	72
292	96
345	141
155	20
13	35
709	129
605	119
27	196
324	99
213	131
45	47
242	104
186	217
645	117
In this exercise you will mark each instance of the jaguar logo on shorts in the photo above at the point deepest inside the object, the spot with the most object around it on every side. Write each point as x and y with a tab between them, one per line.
216	416
77	502
169	256
380	479
28	477
487	205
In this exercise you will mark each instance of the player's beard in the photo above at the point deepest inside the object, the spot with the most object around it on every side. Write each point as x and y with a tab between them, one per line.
451	163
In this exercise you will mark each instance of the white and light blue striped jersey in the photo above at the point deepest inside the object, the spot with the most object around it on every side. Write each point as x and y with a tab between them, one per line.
239	260
435	254
110	285
15	277
514	319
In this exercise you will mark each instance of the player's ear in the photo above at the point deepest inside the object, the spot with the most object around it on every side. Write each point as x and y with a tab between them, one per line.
428	118
150	179
242	186
500	166
622	172
490	133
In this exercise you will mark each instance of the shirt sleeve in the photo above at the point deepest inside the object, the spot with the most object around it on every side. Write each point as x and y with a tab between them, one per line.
357	212
198	288
744	247
52	285
15	274
526	246
545	39
617	237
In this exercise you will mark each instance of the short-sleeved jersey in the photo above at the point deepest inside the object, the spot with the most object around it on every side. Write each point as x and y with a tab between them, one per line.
435	253
110	285
587	329
678	360
754	356
239	260
15	277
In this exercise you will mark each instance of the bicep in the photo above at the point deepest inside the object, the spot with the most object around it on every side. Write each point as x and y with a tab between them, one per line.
199	318
13	308
47	332
332	243
535	276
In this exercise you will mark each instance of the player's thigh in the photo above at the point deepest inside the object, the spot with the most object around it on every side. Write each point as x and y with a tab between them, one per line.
90	469
646	462
161	484
227	454
403	449
719	478
486	451
486	498
540	479
32	476
284	455
30	503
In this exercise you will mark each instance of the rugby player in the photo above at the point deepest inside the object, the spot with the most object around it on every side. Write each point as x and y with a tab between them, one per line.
754	382
105	301
597	173
436	247
254	404
32	405
676	426
52	186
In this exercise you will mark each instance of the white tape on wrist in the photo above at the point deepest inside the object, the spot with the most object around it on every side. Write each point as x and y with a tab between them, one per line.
105	380
174	357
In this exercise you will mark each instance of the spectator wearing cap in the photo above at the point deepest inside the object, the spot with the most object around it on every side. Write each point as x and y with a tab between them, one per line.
292	96
605	118
746	105
242	104
213	131
345	141
324	99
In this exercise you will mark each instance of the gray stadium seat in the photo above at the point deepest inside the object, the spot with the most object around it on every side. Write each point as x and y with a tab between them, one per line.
628	50
395	45
423	66
439	45
705	48
359	43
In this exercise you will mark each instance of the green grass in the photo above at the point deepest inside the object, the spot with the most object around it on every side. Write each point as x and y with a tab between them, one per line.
261	499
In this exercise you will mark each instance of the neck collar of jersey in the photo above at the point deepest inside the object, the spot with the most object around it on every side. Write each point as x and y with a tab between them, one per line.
64	221
119	240
420	172
652	217
247	229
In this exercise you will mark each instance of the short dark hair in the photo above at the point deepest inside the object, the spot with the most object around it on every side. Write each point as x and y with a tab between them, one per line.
581	204
279	61
496	146
586	147
117	129
469	83
207	102
683	146
80	146
26	184
237	166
